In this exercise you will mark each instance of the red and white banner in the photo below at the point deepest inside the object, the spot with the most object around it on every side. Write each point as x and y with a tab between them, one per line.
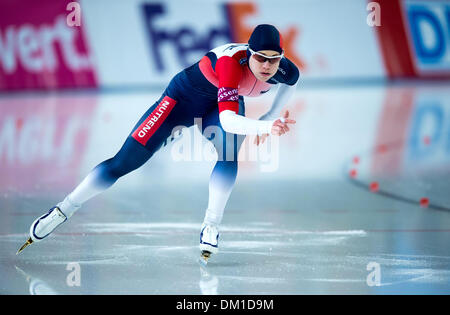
38	48
414	38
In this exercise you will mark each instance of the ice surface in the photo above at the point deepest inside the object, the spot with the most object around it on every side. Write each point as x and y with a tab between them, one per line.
304	227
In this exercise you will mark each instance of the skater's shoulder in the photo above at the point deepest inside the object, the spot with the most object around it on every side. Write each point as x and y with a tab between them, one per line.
228	59
229	49
288	73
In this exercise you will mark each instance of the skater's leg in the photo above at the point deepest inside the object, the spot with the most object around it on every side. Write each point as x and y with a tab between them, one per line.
224	173
155	126
144	140
131	156
147	137
221	181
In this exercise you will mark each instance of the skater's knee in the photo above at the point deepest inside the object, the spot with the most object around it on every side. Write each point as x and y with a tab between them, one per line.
111	170
232	164
227	168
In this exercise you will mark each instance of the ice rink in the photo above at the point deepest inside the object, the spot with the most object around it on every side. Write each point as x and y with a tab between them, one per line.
355	200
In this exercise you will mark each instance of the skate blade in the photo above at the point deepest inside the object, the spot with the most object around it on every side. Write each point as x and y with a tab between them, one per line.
203	260
28	242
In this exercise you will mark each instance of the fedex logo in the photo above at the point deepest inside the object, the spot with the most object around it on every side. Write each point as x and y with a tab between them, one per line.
184	39
189	44
429	28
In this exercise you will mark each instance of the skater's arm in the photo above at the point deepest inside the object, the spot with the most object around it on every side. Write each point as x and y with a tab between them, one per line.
234	123
287	77
284	94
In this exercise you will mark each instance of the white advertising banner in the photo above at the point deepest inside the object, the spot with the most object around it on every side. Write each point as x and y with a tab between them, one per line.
146	42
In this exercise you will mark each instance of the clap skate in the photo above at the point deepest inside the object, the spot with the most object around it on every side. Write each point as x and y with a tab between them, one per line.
43	226
209	243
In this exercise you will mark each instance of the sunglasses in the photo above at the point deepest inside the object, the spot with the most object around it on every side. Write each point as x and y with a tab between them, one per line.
263	58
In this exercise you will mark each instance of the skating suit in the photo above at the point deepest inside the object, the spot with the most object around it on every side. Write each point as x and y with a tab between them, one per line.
213	87
218	82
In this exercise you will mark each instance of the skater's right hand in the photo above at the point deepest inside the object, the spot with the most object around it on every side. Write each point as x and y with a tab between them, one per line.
280	126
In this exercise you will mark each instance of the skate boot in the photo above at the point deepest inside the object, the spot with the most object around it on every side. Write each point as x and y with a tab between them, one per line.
209	242
44	225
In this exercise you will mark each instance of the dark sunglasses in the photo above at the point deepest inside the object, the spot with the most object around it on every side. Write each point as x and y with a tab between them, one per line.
263	58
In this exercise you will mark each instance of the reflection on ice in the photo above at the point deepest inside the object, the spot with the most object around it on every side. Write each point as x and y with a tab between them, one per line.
410	159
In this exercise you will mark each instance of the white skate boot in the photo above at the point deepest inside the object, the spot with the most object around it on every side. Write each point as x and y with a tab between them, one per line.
44	225
209	242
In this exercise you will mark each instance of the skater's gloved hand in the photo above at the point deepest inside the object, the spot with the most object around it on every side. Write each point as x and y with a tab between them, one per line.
280	126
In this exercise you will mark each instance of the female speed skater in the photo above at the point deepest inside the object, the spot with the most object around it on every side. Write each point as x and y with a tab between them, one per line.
213	89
